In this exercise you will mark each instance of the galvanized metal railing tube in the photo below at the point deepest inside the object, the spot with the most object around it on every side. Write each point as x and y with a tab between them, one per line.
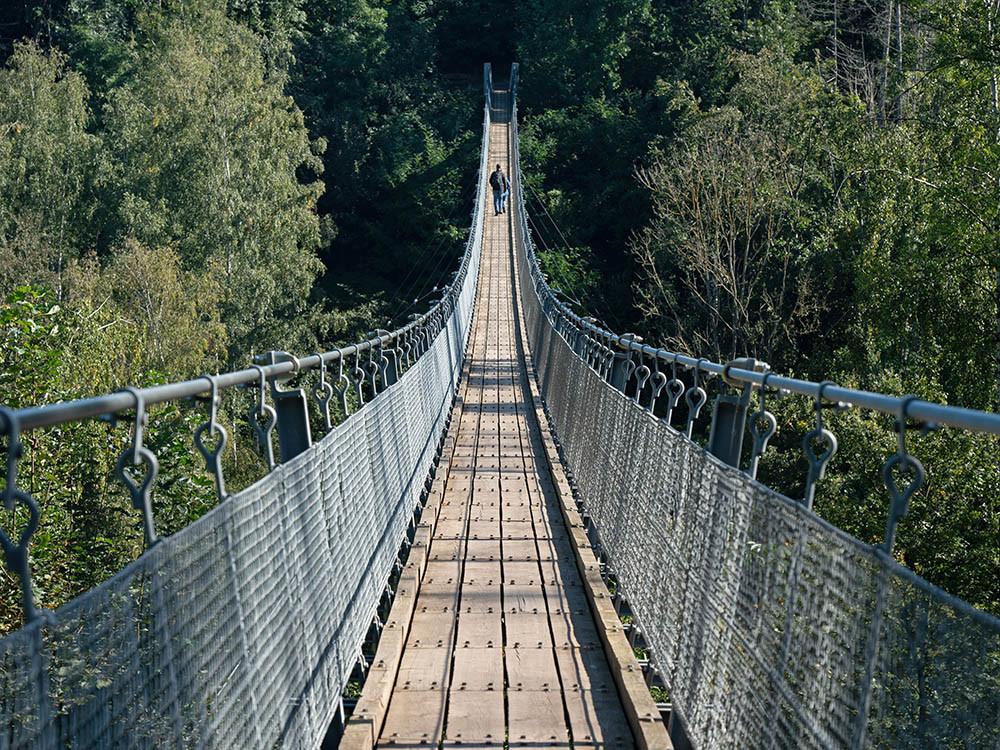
70	411
35	417
953	416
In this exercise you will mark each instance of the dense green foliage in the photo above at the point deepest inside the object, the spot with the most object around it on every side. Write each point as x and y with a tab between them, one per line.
185	182
811	183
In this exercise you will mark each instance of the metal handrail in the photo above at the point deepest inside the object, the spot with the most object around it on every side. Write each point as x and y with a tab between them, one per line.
926	411
34	417
71	411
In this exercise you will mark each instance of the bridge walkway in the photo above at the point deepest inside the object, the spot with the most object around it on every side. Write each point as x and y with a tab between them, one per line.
502	647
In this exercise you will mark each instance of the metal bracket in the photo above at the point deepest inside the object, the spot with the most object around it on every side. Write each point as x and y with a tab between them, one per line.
263	419
622	365
16	554
729	416
137	454
294	434
390	353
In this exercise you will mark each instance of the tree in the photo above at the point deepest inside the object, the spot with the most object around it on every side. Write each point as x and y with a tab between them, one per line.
175	313
725	261
49	166
208	151
576	47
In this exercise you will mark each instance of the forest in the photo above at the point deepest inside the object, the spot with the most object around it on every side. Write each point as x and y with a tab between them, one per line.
815	183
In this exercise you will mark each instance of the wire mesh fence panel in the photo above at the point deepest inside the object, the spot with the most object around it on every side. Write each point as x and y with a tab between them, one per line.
242	629
770	627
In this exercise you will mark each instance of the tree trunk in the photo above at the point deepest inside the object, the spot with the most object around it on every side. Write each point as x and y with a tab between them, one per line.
836	44
713	298
883	89
59	266
899	61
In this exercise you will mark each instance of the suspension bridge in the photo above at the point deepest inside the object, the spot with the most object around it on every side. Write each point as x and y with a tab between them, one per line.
505	516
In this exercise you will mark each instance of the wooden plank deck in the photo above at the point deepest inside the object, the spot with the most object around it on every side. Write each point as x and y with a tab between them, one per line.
501	546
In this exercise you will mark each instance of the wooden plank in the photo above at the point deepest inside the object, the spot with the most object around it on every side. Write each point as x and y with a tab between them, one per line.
424	669
531	669
445	549
482	549
485	488
516	494
442	572
450	529
598	718
584	668
515	510
452	501
574	630
480	598
518	530
484	511
536	716
414	716
558	578
527	630
484	529
458	487
479	630
482	571
562	571
523	598
437	598
478	669
453	513
524	572
513	484
525	549
476	717
547	521
431	626
561	548
567	599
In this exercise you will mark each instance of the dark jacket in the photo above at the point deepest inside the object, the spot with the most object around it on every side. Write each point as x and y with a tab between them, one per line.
499	181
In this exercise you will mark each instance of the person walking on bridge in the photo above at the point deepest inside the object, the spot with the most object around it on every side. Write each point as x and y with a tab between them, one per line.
501	186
